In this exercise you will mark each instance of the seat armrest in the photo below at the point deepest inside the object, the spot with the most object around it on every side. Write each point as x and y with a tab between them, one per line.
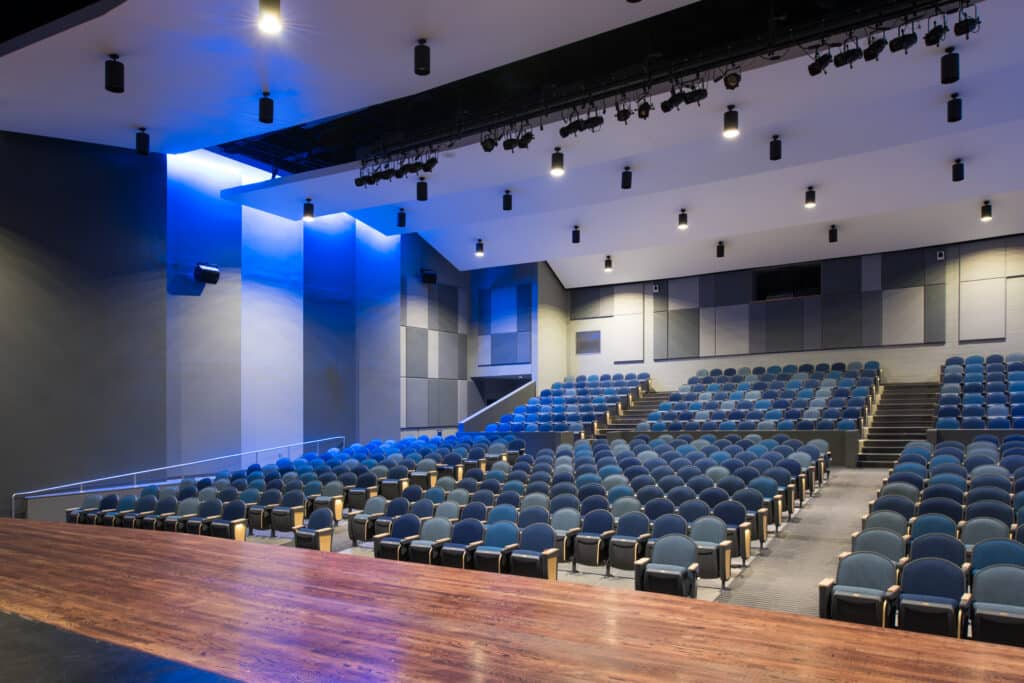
892	593
376	538
694	568
441	541
549	552
843	555
606	535
966	569
901	563
509	548
643	538
473	546
825	587
410	539
965	601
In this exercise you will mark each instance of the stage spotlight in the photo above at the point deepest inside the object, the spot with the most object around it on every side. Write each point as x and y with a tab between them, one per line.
848	57
593	122
608	264
421	189
359	181
623	114
775	149
113	74
643	110
479	251
694	96
627	179
509	143
429	164
270	17
833	234
935	35
506	201
731	123
954	108
266	108
731	80
986	211
401	218
810	199
206	273
575	234
682	223
720	250
525	139
488	143
414	168
817	66
557	163
903	42
958	170
966	26
874	49
673	101
142	142
307	210
571	128
421	58
949	70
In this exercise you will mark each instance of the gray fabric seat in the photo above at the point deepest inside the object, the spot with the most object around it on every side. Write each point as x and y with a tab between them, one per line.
673	567
997	613
714	549
434	533
882	541
863	591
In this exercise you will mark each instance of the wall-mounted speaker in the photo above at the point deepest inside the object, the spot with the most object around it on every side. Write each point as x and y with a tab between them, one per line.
428	277
206	273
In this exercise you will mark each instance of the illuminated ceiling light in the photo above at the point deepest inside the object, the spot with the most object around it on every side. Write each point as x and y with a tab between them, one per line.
142	142
608	264
810	199
557	163
775	149
731	123
270	17
950	67
307	210
731	80
935	35
113	74
421	58
848	57
506	201
479	251
720	250
954	108
401	218
818	65
986	211
958	170
627	179
903	42
266	108
833	234
643	110
421	189
874	49
575	234
683	222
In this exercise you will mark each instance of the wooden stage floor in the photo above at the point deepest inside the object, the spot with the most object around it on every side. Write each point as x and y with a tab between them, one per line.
258	612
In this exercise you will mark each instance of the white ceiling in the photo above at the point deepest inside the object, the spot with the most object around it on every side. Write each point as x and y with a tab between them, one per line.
873	140
195	68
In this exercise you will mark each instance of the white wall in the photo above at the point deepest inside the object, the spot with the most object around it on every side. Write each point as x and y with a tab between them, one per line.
551	341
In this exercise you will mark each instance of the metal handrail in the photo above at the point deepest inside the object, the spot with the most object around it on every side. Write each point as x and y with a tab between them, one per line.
80	485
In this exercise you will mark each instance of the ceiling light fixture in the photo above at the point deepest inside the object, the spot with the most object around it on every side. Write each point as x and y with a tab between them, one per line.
429	164
421	58
479	251
682	223
848	57
935	35
695	95
731	80
269	21
575	234
142	142
509	144
401	218
958	170
818	65
307	210
875	48
113	74
608	264
775	149
954	108
421	189
731	123
810	198
643	110
949	70
966	26
488	143
986	211
557	163
266	108
622	113
903	42
833	234
525	139
720	250
627	179
506	201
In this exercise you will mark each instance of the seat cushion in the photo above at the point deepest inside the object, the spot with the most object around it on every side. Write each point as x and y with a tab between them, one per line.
931	603
664	570
422	544
454	547
531	555
488	550
857	594
999	611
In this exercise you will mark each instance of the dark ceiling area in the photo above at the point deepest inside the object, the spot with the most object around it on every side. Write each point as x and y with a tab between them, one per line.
19	18
699	41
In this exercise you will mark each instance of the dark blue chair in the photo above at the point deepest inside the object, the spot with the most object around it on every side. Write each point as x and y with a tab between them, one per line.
932	597
537	554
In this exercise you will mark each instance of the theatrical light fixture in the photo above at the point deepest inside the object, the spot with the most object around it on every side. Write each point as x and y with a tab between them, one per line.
307	210
142	142
848	57
903	42
488	143
682	223
950	67
673	101
206	273
266	108
817	66
810	199
966	26
775	149
557	163
575	234
627	179
479	252
720	250
731	80
643	110
525	139
986	211
958	170
833	234
421	58
954	108
401	218
113	74
694	96
429	164
421	189
731	123
935	35
270	17
509	144
608	264
506	201
622	114
874	49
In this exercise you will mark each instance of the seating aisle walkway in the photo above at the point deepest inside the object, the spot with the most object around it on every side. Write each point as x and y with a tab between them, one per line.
786	577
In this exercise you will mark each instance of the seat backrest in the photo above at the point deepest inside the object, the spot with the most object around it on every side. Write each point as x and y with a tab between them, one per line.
997	551
983	528
468	531
565	519
708	529
537	537
932	523
933	576
1000	584
235	509
598	521
435	529
886	519
405	525
675	550
938	545
731	512
501	534
375	506
211	508
321	518
167	504
882	541
528	516
633	524
866	570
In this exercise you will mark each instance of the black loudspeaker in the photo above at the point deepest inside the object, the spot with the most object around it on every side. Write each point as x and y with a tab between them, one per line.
207	274
428	277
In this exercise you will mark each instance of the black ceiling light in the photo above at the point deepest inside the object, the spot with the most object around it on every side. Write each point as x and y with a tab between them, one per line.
266	108
557	163
966	26
488	143
627	179
833	234
421	189
958	170
683	222
720	250
270	17
903	42
113	74
694	95
509	143
506	201
819	63
401	218
575	234
622	113
674	99
479	251
848	56
731	80
950	66
810	198
954	108
142	142
525	139
608	264
986	211
731	123
643	110
421	58
307	210
775	149
429	164
875	48
935	35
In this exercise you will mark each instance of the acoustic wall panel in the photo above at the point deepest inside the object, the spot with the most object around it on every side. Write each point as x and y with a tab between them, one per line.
503	348
871	272
784	325
448	347
683	293
483	311
417	398
416	352
416	304
585	303
1015	308
627	342
903	315
1015	256
706	290
483	350
736	287
732	330
504	310
812	318
588	341
628	299
982	260
447	316
871	318
659	330
683	333
934	269
983	309
660	297
707	329
841	323
523	344
443	408
524	308
903	269
841	275
433	353
758	341
935	314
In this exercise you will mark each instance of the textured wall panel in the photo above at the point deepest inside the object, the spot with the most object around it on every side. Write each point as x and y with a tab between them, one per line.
433	354
417	305
983	309
758	340
448	355
416	352
982	260
707	329
903	269
588	341
447	309
483	350
504	310
871	272
683	333
628	299
784	325
871	318
660	334
417	398
732	330
841	320
683	293
903	316
523	343
935	314
841	275
503	348
812	318
585	303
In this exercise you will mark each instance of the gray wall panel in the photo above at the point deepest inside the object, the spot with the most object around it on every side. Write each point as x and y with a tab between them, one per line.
706	287
483	311
417	400
684	293
841	320
416	352
903	316
935	313
871	318
1015	256
732	330
841	275
503	348
812	318
983	309
524	308
982	260
784	325
585	303
447	355
934	269
733	288
871	272
660	334
707	330
683	333
758	340
447	308
903	269
660	297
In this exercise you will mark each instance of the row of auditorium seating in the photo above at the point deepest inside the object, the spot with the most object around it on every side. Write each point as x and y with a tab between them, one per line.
944	523
982	392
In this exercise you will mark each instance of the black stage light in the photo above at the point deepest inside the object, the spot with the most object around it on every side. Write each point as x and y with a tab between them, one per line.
113	74
817	66
673	101
935	35
848	57
142	142
627	179
421	189
874	49
415	167
307	210
833	234
775	149
966	26
428	276
509	143
479	251
731	80
557	163
506	201
401	218
359	181
622	115
488	143
429	164
266	108
958	170
206	273
387	174
682	223
810	198
421	58
986	211
694	96
643	110
593	122
954	108
720	250
525	139
608	264
575	234
903	42
950	67
731	123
